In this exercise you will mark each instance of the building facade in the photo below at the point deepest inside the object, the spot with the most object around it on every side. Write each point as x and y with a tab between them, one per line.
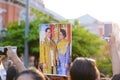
11	12
93	25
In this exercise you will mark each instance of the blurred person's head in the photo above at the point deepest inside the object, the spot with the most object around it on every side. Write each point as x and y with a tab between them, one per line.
84	69
35	69
31	61
48	32
12	73
62	34
116	77
31	75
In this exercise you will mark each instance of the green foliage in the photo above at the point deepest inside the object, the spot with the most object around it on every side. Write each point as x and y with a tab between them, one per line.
15	36
16	33
42	17
105	65
64	22
76	22
85	43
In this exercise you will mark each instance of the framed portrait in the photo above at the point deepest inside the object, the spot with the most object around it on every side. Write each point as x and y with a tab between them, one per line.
55	48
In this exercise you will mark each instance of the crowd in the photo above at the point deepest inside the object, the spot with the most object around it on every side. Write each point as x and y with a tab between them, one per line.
80	69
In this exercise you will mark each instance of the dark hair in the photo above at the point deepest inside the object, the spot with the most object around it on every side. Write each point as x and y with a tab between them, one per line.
116	77
36	75
84	69
46	29
0	78
63	32
12	73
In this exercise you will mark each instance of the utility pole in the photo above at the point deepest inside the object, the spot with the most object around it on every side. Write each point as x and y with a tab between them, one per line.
26	35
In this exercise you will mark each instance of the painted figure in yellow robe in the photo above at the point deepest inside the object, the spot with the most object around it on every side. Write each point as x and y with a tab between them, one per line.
48	53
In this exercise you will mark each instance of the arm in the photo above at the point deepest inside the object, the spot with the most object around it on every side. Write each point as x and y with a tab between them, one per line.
16	60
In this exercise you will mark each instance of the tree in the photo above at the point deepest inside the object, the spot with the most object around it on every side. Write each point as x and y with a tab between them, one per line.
16	33
76	22
85	43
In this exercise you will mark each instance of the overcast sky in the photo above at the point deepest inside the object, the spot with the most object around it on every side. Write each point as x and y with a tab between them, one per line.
103	10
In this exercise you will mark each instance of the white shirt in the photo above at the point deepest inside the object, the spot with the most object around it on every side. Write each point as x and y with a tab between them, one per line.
2	72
